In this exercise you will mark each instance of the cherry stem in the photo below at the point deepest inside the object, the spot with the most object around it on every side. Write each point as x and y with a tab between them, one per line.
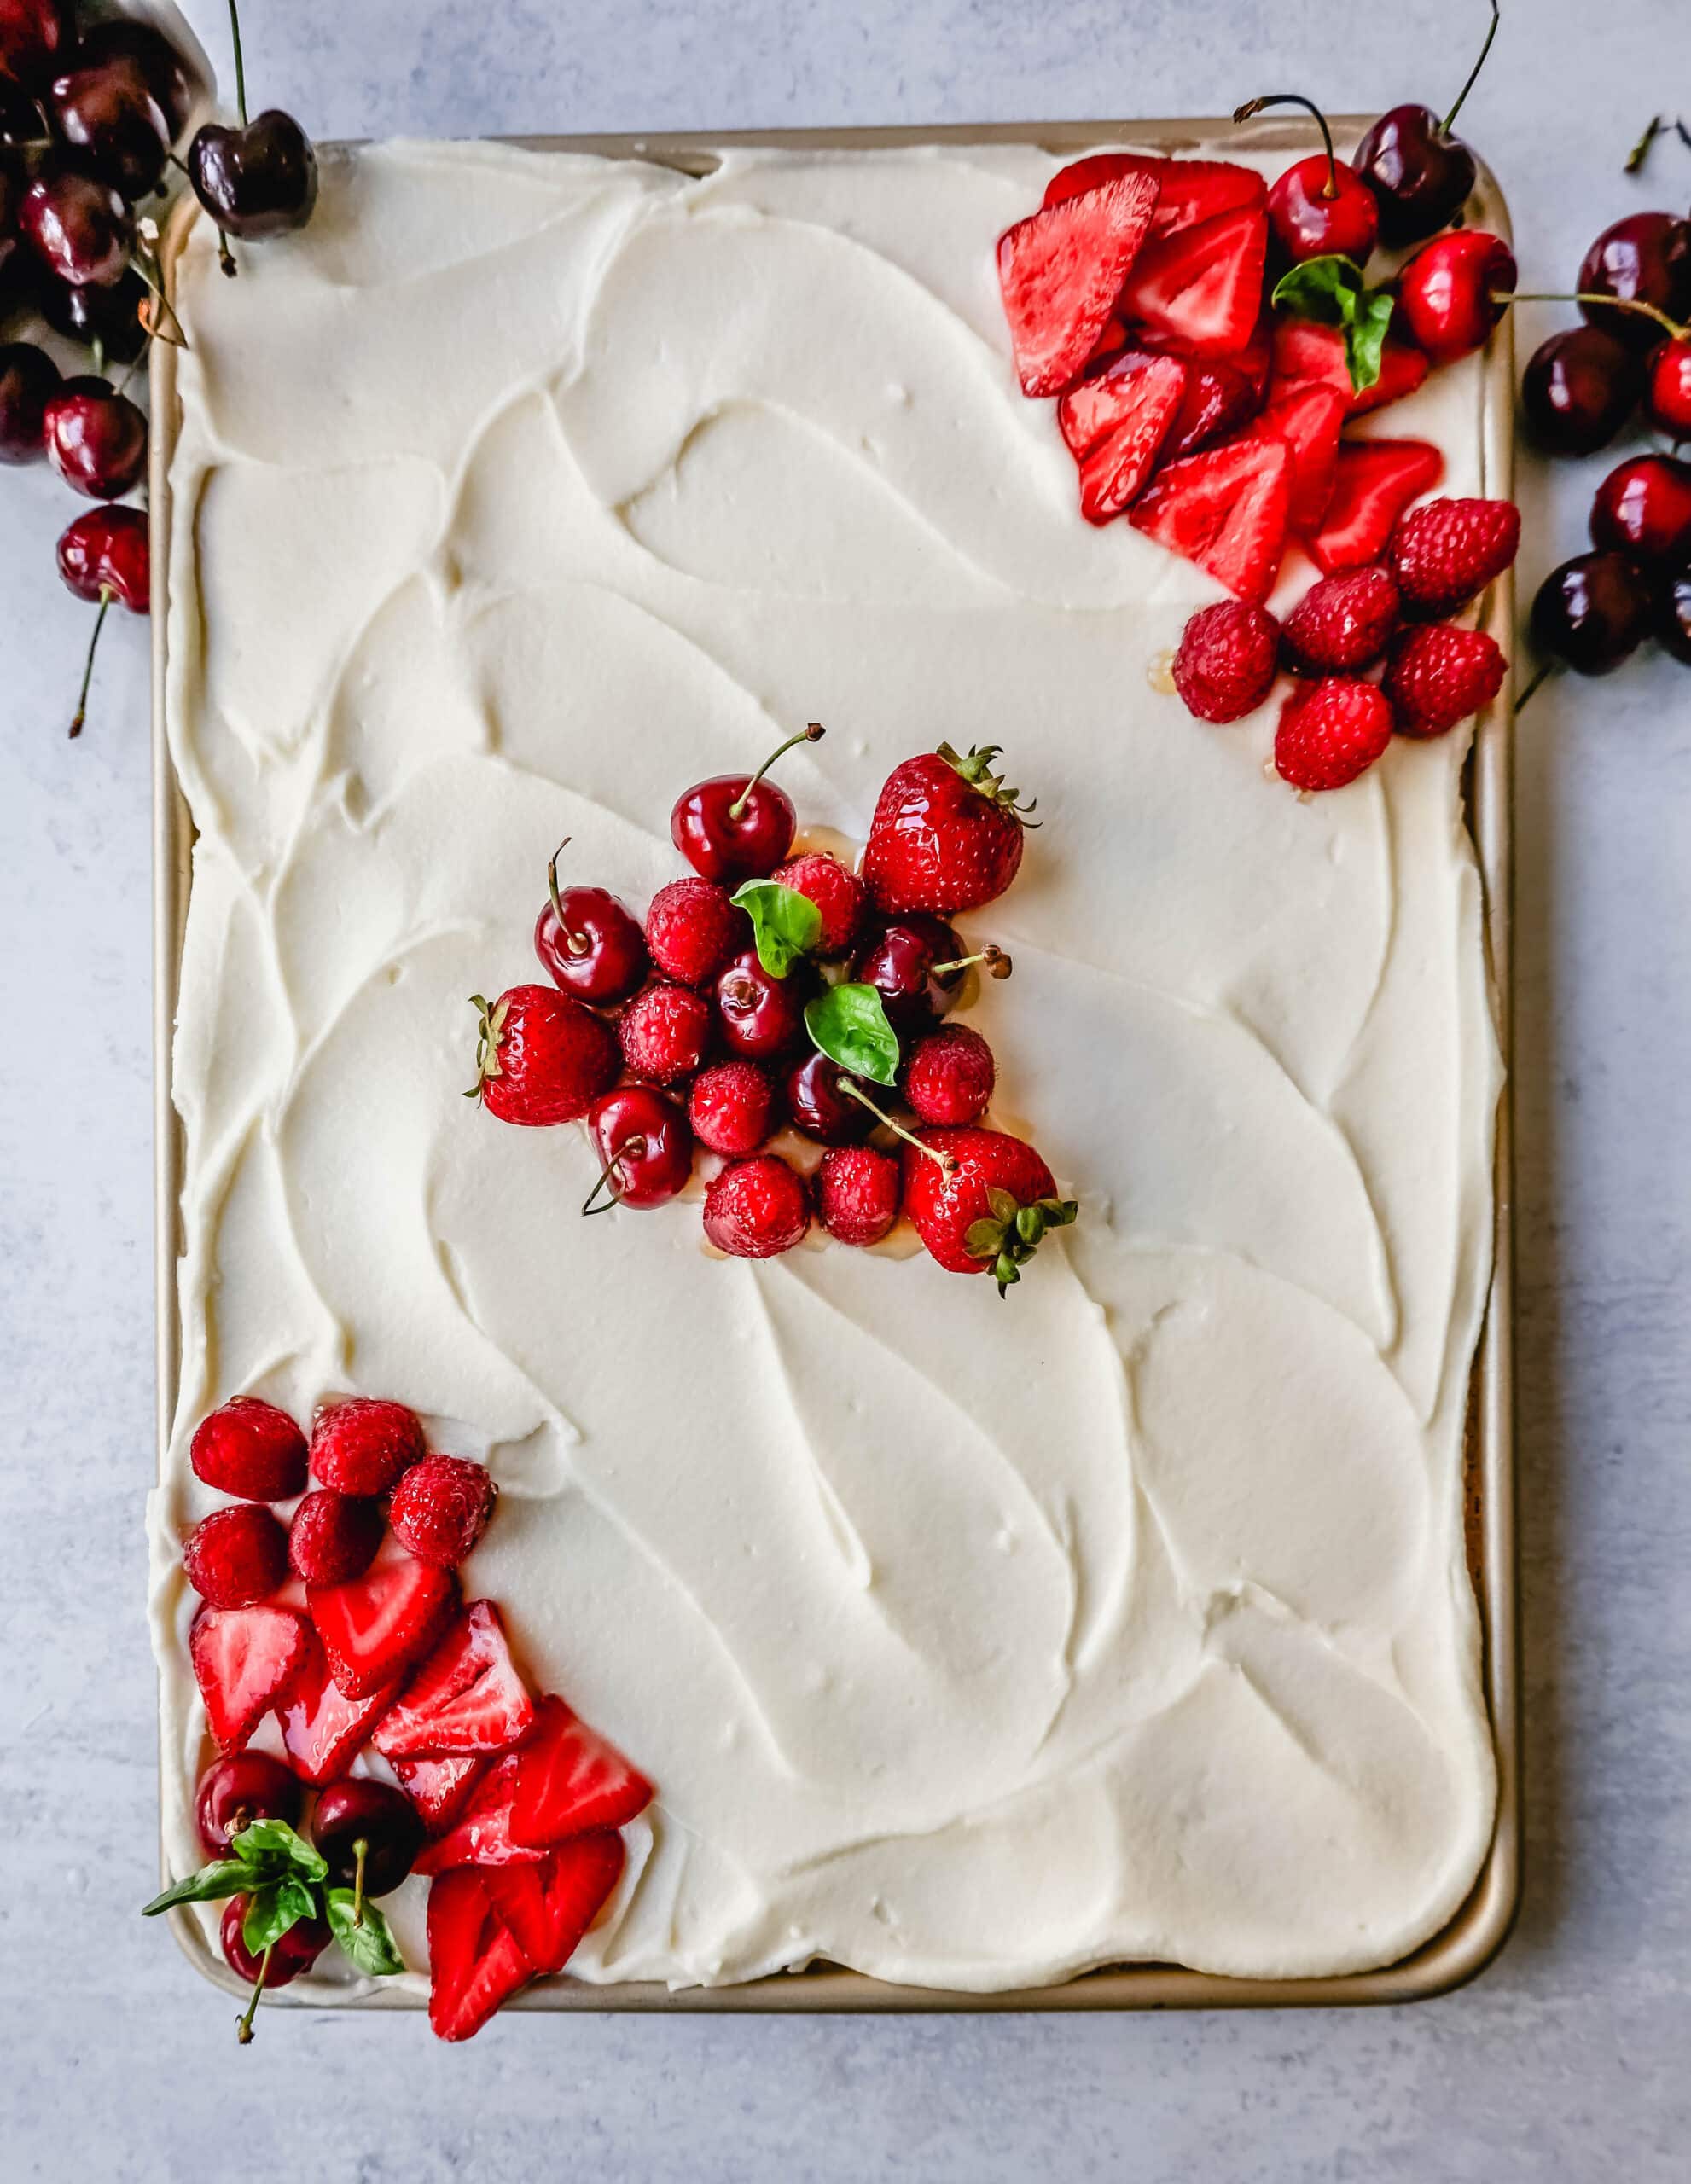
240	65
1544	675
97	356
813	734
179	338
1473	73
361	1851
1640	151
106	596
1585	296
996	963
1330	187
243	2029
633	1147
577	942
947	1163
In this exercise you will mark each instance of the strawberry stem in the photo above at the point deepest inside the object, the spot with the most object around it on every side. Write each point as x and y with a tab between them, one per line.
106	596
1329	189
577	942
947	1161
992	960
813	734
243	2026
1473	73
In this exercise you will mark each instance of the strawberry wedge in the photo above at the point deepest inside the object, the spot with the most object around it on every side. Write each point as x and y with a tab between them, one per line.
1374	482
1188	190
322	1728
1116	425
1303	352
1060	271
466	1697
475	1961
440	1788
244	1658
1201	287
481	1834
1225	508
569	1778
549	1905
373	1628
1309	419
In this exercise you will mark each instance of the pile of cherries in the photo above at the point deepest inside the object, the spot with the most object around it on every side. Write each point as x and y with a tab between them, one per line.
93	110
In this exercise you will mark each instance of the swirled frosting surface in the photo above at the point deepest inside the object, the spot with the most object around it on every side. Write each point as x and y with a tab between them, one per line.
969	1643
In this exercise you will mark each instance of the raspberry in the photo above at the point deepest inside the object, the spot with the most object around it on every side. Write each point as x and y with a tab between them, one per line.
1225	666
440	1508
731	1108
840	894
333	1536
692	929
757	1208
362	1446
250	1448
1446	552
858	1193
1331	732
1341	623
664	1032
949	1076
1438	675
236	1556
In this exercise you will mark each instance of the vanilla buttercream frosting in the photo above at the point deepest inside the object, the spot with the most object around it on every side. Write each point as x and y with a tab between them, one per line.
970	1643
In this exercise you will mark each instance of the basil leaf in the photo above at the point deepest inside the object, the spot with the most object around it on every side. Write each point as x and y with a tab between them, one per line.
369	1948
227	1877
1365	337
268	1842
785	924
849	1025
272	1910
1325	289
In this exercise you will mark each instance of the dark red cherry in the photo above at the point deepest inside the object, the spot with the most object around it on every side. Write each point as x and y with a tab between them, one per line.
23	122
105	549
247	1785
360	1824
821	1108
170	79
1643	508
111	316
738	826
33	32
1667	389
29	379
1421	174
1319	205
297	1951
760	1016
107	113
1578	389
1673	617
1592	612
78	227
645	1142
1644	259
1447	294
589	943
97	439
258	181
899	962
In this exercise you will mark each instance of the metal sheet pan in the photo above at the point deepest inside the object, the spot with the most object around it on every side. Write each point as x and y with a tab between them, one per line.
1480	1927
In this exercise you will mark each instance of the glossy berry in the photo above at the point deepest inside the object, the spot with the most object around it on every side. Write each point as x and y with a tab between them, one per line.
588	943
858	1192
821	1108
1643	508
1342	622
373	1815
333	1536
665	1032
297	1951
1443	553
105	550
1593	612
29	379
1419	174
645	1146
95	439
760	1016
168	76
246	1786
898	961
440	1509
756	1209
693	928
949	1076
1224	665
1673	617
33	35
236	1556
731	1108
737	827
258	181
1645	258
840	894
1579	387
1319	206
1448	293
112	317
1330	733
105	112
1667	389
1440	675
947	833
542	1056
79	228
967	1192
248	1447
362	1444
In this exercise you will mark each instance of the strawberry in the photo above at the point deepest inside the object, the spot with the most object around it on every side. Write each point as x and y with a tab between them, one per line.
1445	553
250	1448
475	1961
665	1032
857	1193
549	1906
243	1658
1330	733
1341	623
1188	190
1104	400
1376	482
837	893
440	1508
1115	425
1226	509
440	1787
1305	353
236	1556
731	1109
467	1697
1225	663
756	1208
1059	272
373	1627
362	1446
541	1057
692	929
1438	675
322	1728
1307	418
1219	398
481	1834
332	1536
569	1778
1110	343
949	1076
1202	286
981	1200
946	834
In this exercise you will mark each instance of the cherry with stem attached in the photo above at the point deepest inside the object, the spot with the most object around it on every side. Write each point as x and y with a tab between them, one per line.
255	181
1419	173
739	826
1320	206
646	1143
589	941
103	556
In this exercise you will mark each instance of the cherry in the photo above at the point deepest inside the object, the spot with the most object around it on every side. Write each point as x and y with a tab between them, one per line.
738	826
1578	389
297	1951
97	439
898	961
760	1016
646	1143
1667	388
1319	205
368	1834
1419	173
1590	614
23	122
107	113
820	1107
29	379
246	1786
104	555
1643	508
1454	290
590	942
172	82
1645	259
112	317
257	180
78	227
31	31
1673	617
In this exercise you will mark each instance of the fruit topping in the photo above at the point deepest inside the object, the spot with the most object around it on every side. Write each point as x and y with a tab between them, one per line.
249	1448
645	1147
1342	622
858	1193
467	1697
1202	286
839	896
362	1444
1421	175
1116	424
981	1201
820	1107
369	1835
756	1208
322	1730
588	943
475	1961
1319	206
257	180
665	1032
481	1834
946	836
1060	270
1188	190
569	1778
1224	665
1227	509
1305	352
949	1076
549	1904
692	929
1438	675
731	1108
759	1015
540	1056
738	826
1309	417
1454	291
440	1787
233	1792
1330	733
332	1536
243	1660
1446	552
236	1555
899	962
279	1961
373	1628
1374	482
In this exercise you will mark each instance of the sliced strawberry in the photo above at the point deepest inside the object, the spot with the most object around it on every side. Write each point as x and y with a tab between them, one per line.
1226	509
1376	482
549	1905
1188	190
1115	422
439	1788
1303	350
1110	343
570	1778
1202	286
481	1835
244	1658
1059	272
322	1728
475	1961
1218	399
373	1627
467	1697
1307	418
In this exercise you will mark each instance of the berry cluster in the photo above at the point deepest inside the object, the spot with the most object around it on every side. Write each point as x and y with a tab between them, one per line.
92	112
511	1803
773	993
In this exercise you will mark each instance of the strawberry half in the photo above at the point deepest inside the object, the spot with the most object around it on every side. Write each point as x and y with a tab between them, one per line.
1226	508
1309	419
549	1905
322	1728
1202	286
481	1835
569	1779
1188	190
439	1788
1115	425
1374	482
475	1961
244	1658
1305	353
946	834
1059	272
466	1697
373	1627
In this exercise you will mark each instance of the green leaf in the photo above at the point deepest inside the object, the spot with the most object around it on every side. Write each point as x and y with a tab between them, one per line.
1331	291
272	1910
274	1843
369	1948
227	1877
849	1025
785	924
983	1239
1365	337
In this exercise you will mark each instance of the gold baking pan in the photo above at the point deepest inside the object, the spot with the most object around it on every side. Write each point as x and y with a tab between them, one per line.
1480	1928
